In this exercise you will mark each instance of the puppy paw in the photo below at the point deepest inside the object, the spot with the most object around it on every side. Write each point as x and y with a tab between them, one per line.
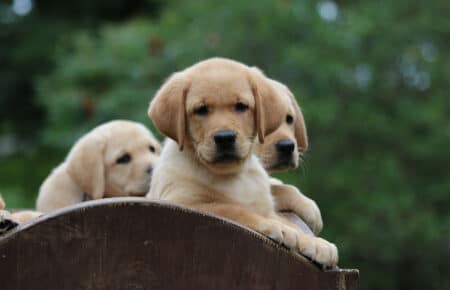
279	232
7	221
319	250
311	216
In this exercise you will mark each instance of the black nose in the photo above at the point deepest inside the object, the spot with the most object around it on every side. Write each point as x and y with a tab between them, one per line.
285	146
149	169
224	138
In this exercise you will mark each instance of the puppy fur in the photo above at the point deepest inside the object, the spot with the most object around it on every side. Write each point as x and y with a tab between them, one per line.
7	218
197	106
114	159
292	132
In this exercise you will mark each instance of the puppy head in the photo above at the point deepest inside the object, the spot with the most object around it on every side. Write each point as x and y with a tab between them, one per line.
282	148
114	159
215	109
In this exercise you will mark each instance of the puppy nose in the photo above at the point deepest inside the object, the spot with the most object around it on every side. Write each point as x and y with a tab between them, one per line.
224	137
285	146
149	169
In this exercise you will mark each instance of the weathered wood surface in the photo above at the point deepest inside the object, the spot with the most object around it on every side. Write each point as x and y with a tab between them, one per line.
131	243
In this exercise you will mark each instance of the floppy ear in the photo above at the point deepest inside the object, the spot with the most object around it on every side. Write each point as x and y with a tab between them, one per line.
300	127
270	109
86	166
167	109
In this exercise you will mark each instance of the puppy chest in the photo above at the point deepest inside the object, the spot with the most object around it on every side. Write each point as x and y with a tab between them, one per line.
250	193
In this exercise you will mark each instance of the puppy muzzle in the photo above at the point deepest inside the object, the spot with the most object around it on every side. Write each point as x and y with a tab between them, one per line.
286	157
225	141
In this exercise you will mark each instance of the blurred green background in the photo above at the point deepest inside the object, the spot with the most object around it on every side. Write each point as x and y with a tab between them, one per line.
372	78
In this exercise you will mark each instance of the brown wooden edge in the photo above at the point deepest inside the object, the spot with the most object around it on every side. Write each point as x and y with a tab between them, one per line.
340	279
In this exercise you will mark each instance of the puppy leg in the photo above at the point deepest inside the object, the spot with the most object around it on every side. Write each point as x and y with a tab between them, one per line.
279	230
11	220
317	249
270	227
288	197
25	216
7	221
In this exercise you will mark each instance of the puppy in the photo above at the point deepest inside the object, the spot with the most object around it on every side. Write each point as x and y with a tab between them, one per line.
213	111
280	152
114	159
282	148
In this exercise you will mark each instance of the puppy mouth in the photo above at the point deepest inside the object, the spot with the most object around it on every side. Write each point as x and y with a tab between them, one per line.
226	157
284	163
282	166
140	191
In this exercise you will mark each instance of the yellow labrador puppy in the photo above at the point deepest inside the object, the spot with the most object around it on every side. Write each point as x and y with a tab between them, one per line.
213	112
280	152
114	159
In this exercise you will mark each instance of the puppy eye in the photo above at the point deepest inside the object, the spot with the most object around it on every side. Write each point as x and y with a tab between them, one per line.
241	107
125	158
201	111
289	119
152	149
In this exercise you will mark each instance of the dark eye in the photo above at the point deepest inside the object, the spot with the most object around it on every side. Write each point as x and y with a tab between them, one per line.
289	119
241	107
201	111
152	149
125	158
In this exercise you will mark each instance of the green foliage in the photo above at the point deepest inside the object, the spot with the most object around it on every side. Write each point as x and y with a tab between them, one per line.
95	81
21	175
373	85
27	43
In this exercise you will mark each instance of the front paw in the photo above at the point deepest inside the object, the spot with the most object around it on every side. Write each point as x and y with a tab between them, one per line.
279	232
319	250
311	216
7	221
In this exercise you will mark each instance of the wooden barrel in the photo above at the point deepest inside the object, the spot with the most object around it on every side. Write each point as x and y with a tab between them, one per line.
133	243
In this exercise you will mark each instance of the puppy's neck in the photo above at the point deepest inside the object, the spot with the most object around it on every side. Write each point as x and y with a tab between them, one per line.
181	177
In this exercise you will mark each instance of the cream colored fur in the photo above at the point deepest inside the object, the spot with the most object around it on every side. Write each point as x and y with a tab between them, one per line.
187	172
288	197
16	217
92	166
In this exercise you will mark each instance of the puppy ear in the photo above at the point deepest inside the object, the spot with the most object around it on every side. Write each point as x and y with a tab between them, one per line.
86	166
299	125
167	109
269	106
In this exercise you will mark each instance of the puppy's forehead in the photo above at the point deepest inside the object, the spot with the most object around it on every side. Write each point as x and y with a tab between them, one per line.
291	108
128	138
284	93
220	86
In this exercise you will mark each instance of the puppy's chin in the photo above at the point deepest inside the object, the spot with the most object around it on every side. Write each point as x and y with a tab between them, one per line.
280	167
224	164
224	167
137	190
280	164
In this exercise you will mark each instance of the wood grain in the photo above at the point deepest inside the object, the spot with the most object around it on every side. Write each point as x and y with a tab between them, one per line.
132	243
